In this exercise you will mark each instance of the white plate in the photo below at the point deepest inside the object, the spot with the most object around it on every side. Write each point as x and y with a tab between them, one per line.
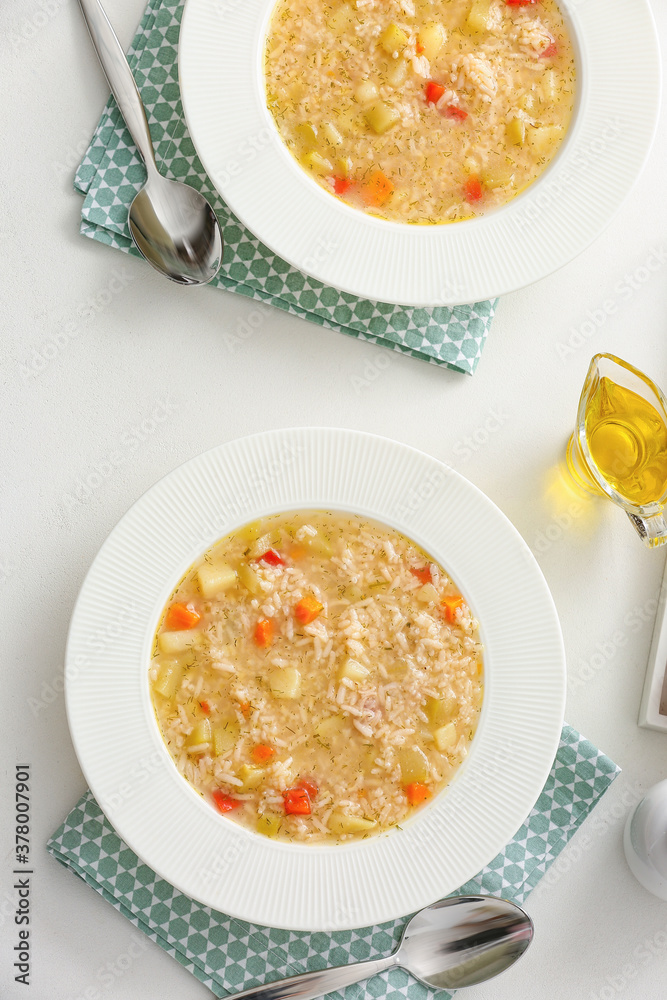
178	833
221	78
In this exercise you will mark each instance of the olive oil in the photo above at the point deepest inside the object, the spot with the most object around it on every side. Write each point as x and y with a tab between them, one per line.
627	440
619	446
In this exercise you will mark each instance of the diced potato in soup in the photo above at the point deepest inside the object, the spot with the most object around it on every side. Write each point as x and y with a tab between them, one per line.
285	682
407	95
213	579
311	680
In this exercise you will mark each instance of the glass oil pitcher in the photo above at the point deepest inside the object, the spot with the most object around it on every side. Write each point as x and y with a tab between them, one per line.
619	446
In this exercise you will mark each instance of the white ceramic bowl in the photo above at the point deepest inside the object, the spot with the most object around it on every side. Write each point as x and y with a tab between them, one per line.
169	825
619	84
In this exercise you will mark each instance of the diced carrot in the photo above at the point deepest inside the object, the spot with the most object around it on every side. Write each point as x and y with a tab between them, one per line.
342	184
307	610
181	616
309	786
224	803
297	552
264	633
473	189
417	793
450	605
423	573
376	189
419	48
205	707
451	111
246	709
261	753
272	558
550	51
297	802
433	91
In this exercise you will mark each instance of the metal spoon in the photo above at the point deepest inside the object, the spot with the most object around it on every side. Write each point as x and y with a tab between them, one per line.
456	942
172	225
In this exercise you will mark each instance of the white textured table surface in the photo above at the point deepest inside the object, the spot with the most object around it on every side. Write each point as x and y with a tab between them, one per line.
141	344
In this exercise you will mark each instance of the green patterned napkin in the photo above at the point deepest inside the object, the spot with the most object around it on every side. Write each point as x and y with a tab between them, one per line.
111	173
229	955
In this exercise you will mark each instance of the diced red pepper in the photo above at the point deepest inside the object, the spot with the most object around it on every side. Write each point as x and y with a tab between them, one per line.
451	111
417	793
272	558
550	51
520	3
342	184
450	605
473	189
181	616
307	610
423	573
297	802
309	786
264	633
224	803
433	91
205	707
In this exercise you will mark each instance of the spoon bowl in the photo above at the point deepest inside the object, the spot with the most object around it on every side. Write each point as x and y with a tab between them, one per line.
175	229
459	941
464	940
173	226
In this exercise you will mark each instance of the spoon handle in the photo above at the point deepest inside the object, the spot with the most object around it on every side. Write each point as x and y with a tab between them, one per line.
309	985
119	75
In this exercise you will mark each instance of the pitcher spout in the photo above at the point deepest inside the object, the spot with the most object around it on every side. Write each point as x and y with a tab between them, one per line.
652	530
